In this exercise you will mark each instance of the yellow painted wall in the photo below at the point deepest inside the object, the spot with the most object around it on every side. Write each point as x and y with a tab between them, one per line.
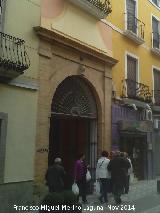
21	104
75	23
121	44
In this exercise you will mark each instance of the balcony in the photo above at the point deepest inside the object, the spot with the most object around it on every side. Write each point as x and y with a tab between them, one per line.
134	90
156	43
134	29
13	57
98	8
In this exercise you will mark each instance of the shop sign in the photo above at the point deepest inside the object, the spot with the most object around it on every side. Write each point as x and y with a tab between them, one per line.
140	126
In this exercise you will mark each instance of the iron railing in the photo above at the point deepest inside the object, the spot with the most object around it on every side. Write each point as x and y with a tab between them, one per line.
155	40
135	25
104	5
156	95
135	90
13	56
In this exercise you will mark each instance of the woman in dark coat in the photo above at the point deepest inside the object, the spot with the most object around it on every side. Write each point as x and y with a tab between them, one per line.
80	170
55	176
118	167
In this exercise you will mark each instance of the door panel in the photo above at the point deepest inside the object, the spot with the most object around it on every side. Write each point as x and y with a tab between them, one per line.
131	76
156	86
155	26
131	14
68	138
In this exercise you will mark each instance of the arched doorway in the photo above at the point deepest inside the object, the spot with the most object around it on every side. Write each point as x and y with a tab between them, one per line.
73	125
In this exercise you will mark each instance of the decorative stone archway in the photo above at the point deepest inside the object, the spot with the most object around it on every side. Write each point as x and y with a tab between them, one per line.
73	125
61	59
73	97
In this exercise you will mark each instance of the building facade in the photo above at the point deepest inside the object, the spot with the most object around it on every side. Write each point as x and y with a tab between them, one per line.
74	103
18	100
135	108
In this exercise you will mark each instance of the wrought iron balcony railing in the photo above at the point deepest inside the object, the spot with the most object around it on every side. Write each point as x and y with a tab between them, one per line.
156	95
135	25
98	8
134	90
156	40
13	57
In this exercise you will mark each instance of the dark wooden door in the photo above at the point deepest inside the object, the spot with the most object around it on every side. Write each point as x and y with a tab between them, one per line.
131	16
156	86
68	138
131	76
155	26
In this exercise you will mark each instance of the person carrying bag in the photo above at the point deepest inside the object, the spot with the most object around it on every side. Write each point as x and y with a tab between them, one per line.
80	171
103	176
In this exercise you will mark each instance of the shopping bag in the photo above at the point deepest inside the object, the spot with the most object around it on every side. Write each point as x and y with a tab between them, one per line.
131	178
75	189
88	176
97	189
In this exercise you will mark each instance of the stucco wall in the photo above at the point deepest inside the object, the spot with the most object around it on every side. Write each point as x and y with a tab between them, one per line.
76	23
121	44
21	104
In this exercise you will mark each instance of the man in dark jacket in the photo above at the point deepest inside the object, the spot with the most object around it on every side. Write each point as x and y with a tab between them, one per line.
118	167
55	175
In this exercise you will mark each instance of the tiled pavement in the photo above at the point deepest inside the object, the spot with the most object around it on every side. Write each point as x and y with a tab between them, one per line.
143	195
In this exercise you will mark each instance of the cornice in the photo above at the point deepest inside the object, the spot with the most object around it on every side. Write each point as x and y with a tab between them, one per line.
59	37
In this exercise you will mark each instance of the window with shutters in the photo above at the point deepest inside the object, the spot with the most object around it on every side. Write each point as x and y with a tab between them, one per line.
156	2
131	16
131	87
155	33
3	132
131	76
156	74
134	28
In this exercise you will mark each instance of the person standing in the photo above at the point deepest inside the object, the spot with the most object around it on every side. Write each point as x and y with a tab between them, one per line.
80	171
118	167
103	176
130	170
55	176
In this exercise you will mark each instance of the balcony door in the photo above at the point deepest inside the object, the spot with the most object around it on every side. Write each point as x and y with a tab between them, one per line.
156	86
131	15
155	26
131	76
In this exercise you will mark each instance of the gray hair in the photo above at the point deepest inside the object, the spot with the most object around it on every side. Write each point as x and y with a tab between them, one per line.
57	160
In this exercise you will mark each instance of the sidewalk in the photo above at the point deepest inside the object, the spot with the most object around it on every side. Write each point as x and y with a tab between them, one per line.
143	197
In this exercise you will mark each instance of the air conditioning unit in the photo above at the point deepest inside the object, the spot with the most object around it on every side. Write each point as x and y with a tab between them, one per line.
156	124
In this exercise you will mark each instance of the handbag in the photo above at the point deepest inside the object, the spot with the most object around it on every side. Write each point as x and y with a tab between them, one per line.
75	189
88	175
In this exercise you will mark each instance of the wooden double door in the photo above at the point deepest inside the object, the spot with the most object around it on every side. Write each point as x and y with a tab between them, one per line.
69	137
